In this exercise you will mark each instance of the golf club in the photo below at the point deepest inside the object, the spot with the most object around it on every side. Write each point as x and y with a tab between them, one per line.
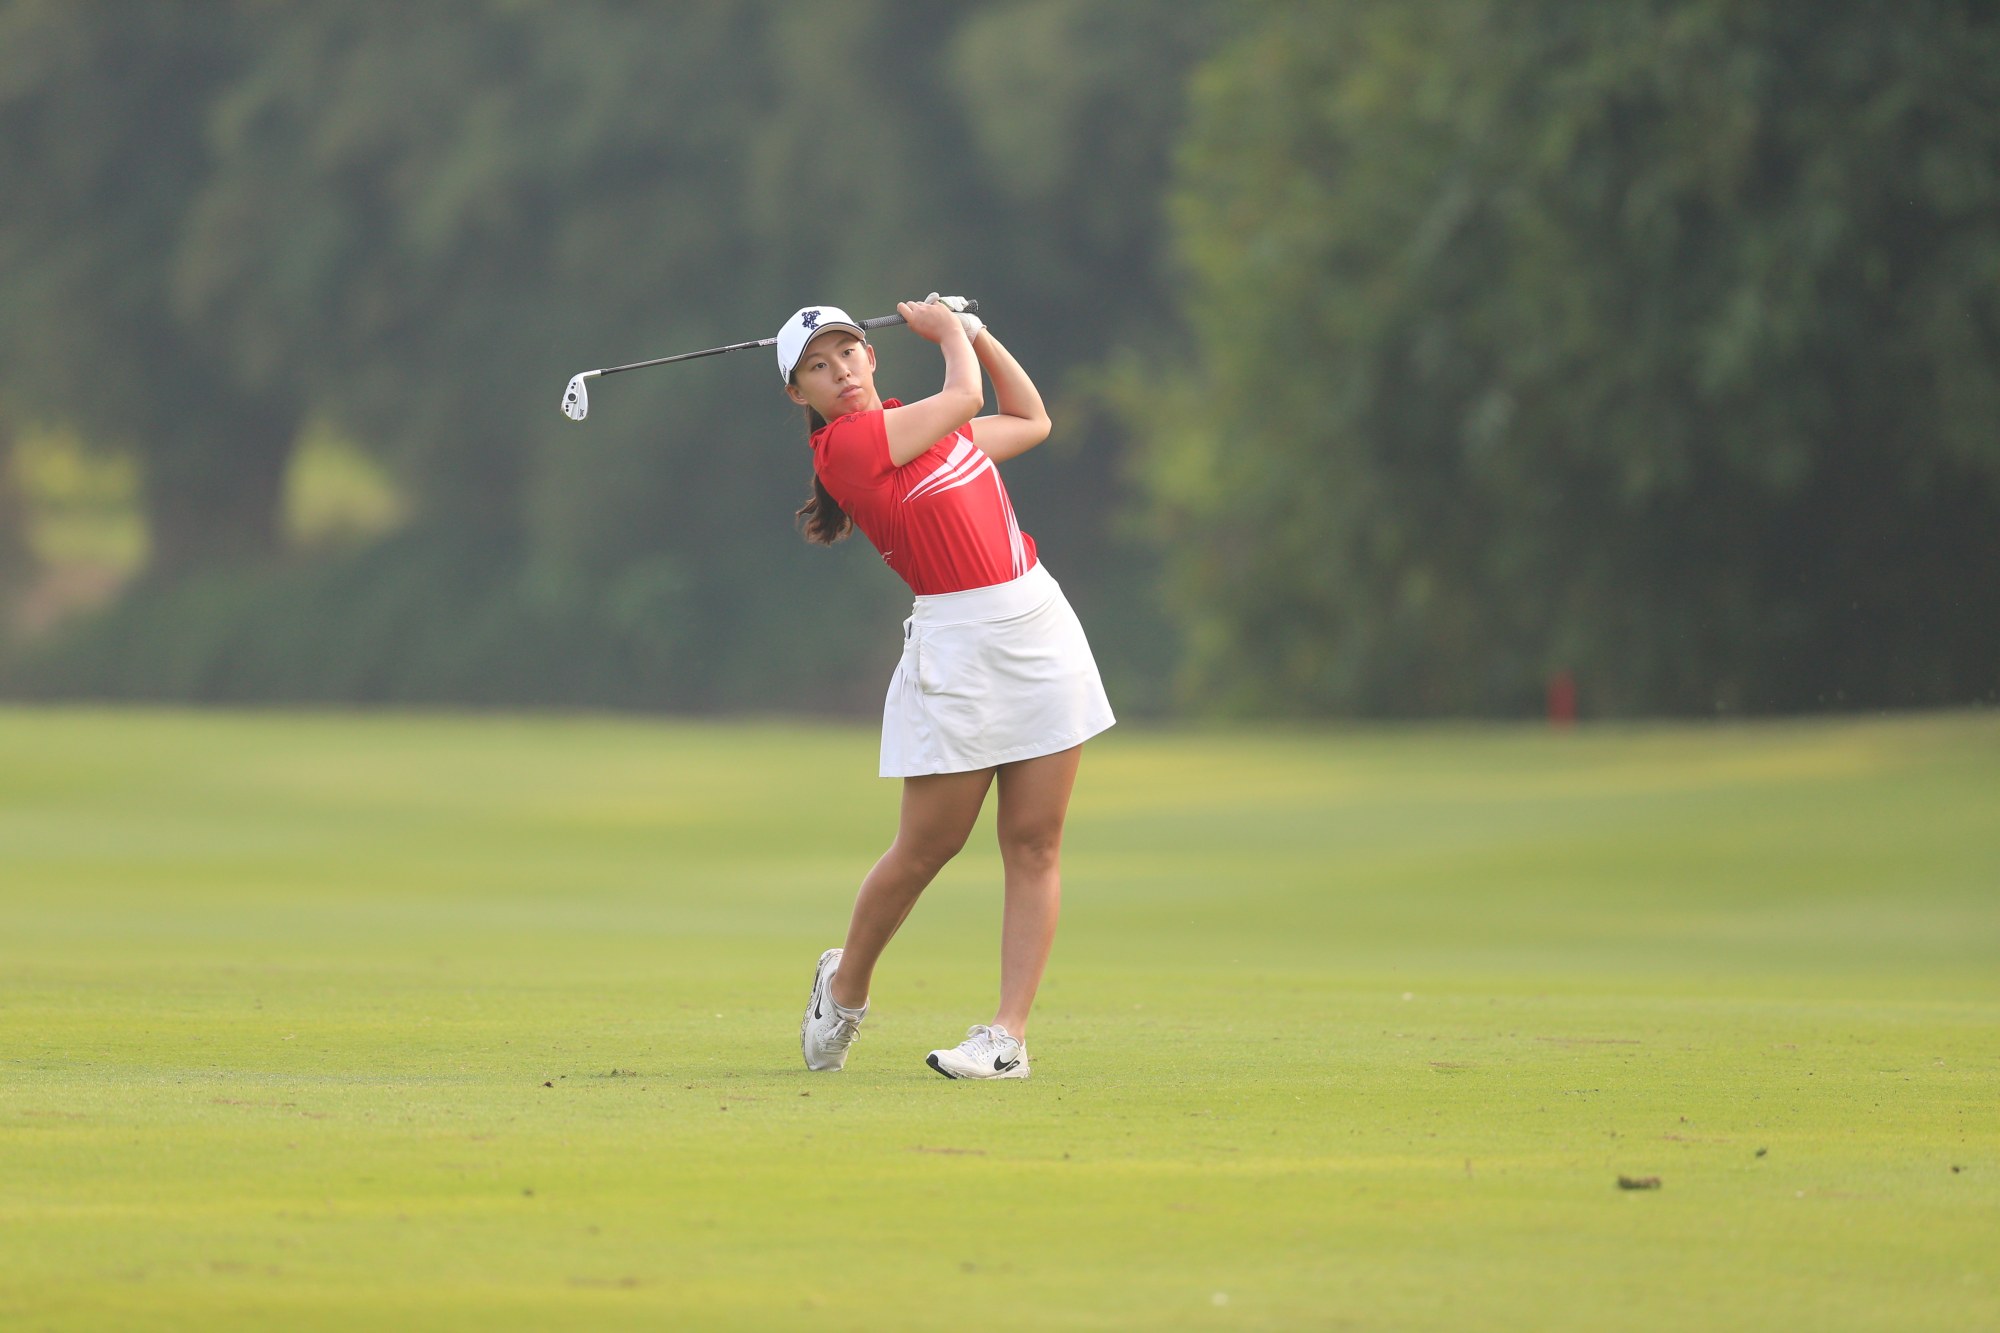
576	398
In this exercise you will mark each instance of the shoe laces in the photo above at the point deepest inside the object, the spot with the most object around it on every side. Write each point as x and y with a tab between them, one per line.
842	1032
984	1040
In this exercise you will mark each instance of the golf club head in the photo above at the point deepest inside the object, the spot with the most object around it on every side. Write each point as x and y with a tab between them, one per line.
576	398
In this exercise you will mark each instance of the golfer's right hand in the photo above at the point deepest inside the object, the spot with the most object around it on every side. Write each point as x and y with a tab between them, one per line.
933	323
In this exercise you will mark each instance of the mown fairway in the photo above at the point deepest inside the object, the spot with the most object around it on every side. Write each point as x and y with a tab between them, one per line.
489	1023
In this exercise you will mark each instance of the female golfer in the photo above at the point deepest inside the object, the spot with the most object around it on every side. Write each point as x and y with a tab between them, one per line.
996	681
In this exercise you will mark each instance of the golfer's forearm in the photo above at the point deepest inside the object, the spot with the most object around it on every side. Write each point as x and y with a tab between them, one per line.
961	373
1014	394
914	427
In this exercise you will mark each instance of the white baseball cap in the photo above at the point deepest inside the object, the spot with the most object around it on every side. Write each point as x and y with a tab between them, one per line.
806	325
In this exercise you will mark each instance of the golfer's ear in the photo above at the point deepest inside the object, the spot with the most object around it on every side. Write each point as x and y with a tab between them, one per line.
792	392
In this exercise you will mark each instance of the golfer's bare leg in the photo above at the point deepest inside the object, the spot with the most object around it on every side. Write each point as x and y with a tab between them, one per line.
1034	799
938	813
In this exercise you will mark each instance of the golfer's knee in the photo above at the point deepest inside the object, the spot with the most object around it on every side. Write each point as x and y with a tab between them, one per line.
927	853
1032	848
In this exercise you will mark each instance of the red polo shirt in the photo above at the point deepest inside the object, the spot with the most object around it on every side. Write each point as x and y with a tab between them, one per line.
942	520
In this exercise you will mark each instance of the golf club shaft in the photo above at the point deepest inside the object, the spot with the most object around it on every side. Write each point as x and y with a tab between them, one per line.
576	398
883	322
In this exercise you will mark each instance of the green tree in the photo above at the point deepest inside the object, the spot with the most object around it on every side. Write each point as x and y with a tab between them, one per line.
102	143
1658	340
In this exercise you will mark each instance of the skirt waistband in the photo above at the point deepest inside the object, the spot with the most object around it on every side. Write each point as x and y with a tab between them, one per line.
997	602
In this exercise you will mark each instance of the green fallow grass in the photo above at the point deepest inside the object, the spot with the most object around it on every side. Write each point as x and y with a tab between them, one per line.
414	1021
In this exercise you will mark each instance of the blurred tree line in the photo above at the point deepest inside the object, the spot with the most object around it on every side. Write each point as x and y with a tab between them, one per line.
1403	352
1654	341
416	221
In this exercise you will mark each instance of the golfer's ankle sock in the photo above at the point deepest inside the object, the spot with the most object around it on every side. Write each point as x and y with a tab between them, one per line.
846	1012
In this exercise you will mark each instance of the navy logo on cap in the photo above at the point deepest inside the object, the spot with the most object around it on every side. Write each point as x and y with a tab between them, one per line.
809	318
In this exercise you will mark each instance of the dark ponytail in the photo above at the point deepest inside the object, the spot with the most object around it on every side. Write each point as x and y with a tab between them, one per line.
821	518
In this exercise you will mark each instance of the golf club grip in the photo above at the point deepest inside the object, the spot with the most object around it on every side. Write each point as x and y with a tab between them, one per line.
971	308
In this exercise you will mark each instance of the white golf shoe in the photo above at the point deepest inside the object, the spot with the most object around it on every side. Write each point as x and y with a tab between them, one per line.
828	1029
986	1052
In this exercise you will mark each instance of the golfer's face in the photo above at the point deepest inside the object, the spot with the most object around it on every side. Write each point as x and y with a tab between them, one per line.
836	375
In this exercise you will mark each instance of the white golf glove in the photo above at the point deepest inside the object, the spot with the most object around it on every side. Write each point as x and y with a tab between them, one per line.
956	304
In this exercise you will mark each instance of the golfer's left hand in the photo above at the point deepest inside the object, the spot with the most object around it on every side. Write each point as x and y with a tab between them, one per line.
970	322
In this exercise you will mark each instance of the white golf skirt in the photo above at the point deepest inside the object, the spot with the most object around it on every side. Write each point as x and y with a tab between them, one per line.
989	676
